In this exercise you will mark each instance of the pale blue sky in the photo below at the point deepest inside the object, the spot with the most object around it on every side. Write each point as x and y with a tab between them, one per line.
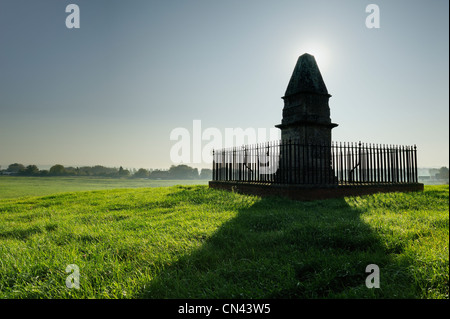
111	92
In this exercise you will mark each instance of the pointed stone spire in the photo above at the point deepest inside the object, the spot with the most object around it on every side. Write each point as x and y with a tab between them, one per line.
306	77
306	114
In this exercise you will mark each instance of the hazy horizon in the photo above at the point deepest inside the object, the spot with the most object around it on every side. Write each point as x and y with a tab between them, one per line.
111	92
421	170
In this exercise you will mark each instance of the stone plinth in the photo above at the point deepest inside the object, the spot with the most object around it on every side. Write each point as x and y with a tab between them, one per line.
311	192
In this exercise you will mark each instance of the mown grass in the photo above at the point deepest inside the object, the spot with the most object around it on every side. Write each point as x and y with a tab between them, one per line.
20	186
195	242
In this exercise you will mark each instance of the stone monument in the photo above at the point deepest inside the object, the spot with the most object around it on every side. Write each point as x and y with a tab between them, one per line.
306	114
306	121
305	165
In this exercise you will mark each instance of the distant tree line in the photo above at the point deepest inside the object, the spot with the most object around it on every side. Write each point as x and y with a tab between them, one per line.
174	172
441	173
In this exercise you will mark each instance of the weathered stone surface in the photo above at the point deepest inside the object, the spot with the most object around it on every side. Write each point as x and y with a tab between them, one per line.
306	113
306	77
306	120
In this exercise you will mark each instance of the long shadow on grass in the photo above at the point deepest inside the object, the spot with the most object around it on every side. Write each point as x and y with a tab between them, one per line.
279	248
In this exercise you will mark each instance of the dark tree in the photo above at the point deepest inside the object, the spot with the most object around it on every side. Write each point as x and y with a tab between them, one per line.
15	168
183	172
30	170
206	173
159	174
123	172
141	173
443	173
43	172
57	170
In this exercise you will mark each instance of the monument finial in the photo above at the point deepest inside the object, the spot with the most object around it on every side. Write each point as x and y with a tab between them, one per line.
306	77
306	113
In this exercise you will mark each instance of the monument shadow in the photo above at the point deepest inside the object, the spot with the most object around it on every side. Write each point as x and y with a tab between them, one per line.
282	249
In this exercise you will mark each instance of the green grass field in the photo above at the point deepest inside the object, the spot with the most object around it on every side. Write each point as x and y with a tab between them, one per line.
195	242
19	186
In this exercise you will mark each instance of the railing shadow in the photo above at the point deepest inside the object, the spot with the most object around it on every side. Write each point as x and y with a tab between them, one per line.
279	248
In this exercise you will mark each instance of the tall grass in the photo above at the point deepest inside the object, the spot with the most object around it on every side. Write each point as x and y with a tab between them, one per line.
195	242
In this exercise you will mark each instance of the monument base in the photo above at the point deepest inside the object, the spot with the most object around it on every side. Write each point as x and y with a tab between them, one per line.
313	192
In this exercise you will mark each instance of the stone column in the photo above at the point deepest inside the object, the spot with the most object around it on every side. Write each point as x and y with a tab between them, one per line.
306	121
